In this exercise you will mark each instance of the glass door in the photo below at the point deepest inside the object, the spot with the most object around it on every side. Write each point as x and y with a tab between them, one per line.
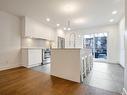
98	43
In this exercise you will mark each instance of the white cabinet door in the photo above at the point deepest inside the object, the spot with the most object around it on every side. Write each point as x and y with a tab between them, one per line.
36	29
34	57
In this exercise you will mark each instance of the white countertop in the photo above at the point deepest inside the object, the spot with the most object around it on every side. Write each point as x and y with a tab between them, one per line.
66	48
52	48
33	48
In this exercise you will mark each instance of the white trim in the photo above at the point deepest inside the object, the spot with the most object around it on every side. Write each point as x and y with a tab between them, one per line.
106	61
124	92
10	67
33	65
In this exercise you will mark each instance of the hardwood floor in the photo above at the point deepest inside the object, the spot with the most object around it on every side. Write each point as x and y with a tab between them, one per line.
23	81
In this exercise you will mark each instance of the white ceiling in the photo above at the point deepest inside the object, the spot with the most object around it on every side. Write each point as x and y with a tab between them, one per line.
94	12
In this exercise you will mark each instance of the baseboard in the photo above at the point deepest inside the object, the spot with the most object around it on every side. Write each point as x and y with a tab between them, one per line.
106	61
10	67
115	63
33	65
124	92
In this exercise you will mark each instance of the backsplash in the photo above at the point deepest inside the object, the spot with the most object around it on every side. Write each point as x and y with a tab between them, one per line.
32	42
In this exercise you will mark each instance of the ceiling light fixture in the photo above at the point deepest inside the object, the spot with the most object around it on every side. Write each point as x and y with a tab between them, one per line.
48	19
69	8
114	12
57	25
68	29
65	28
68	25
111	20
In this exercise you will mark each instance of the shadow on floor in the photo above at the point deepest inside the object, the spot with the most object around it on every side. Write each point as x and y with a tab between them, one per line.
42	68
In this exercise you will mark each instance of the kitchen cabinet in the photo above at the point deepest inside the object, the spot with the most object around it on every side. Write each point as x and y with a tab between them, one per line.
35	29
31	57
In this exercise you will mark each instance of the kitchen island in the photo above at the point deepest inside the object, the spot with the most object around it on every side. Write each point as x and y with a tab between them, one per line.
70	63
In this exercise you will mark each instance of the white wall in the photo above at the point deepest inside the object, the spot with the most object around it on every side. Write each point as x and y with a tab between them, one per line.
125	73
113	40
58	33
122	47
9	41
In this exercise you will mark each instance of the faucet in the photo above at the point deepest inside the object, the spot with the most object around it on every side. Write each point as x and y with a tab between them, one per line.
74	35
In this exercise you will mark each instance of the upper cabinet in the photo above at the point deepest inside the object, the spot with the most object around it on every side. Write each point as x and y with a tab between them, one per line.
35	29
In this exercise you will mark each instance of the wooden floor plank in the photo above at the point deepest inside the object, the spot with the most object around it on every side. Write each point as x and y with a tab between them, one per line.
23	81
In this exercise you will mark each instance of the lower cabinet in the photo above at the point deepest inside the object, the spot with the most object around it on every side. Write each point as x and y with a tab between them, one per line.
31	57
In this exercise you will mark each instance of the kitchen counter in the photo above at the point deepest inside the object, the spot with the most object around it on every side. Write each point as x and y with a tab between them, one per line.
67	63
33	48
66	48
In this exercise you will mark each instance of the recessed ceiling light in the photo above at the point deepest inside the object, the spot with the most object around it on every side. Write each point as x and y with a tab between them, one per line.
65	28
68	29
114	12
57	25
79	21
111	20
69	8
47	19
